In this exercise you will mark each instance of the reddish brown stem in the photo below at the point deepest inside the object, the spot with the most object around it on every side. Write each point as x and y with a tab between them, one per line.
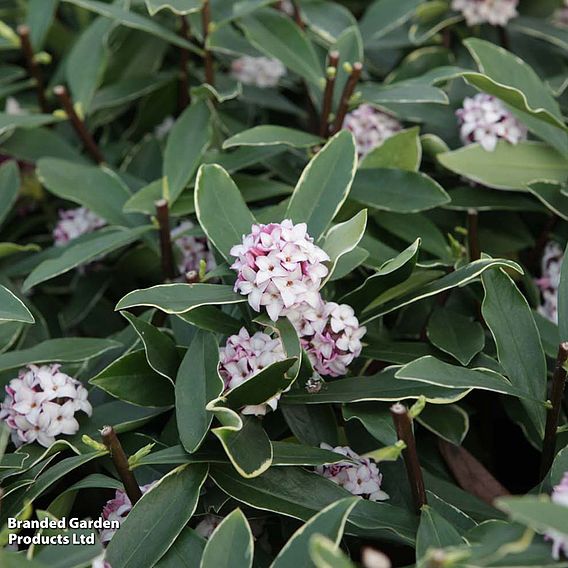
403	425
120	461
79	126
556	396
346	96
33	68
298	15
328	93
473	235
206	23
503	37
166	250
183	95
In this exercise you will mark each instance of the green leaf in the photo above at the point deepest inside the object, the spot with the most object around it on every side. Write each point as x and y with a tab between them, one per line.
509	78
185	148
135	21
459	277
132	380
375	418
405	92
349	45
96	245
231	545
434	532
330	522
9	186
180	7
324	184
447	421
325	554
456	334
180	298
508	167
197	384
12	308
484	199
157	519
8	249
184	552
550	194
266	135
402	151
519	349
397	190
277	35
220	208
563	302
343	238
161	353
64	350
10	122
383	16
39	19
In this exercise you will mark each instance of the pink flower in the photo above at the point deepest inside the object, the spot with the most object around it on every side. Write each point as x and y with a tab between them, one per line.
279	267
559	540
206	526
484	119
192	249
494	12
359	478
75	222
331	335
41	403
243	357
370	127
551	264
560	17
261	72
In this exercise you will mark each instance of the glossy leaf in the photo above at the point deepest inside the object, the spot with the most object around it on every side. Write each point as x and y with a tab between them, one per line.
12	308
266	135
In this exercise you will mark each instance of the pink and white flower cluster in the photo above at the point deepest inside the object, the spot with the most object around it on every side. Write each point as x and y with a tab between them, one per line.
549	281
117	509
279	267
41	404
330	334
484	119
370	127
260	72
561	15
494	12
243	357
192	249
559	540
360	476
75	222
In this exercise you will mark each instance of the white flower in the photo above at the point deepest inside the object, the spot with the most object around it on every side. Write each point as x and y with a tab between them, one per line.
330	333
206	526
484	119
100	562
360	478
559	540
41	403
75	222
370	127
192	250
279	267
494	12
262	72
561	15
287	7
163	129
549	280
13	107
243	357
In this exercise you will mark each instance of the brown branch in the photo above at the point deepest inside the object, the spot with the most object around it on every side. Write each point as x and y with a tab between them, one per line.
183	95
33	68
79	126
473	235
120	461
557	394
328	93
471	475
346	96
298	15
503	37
166	251
403	425
206	24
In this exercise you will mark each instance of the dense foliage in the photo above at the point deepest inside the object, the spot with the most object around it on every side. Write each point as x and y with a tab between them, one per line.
281	283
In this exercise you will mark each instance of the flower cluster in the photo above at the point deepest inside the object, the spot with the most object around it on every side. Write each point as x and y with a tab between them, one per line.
116	510
370	127
359	476
41	404
561	15
559	540
484	119
549	281
243	357
261	72
494	12
279	267
287	7
331	335
13	107
100	562
192	249
75	222
207	525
